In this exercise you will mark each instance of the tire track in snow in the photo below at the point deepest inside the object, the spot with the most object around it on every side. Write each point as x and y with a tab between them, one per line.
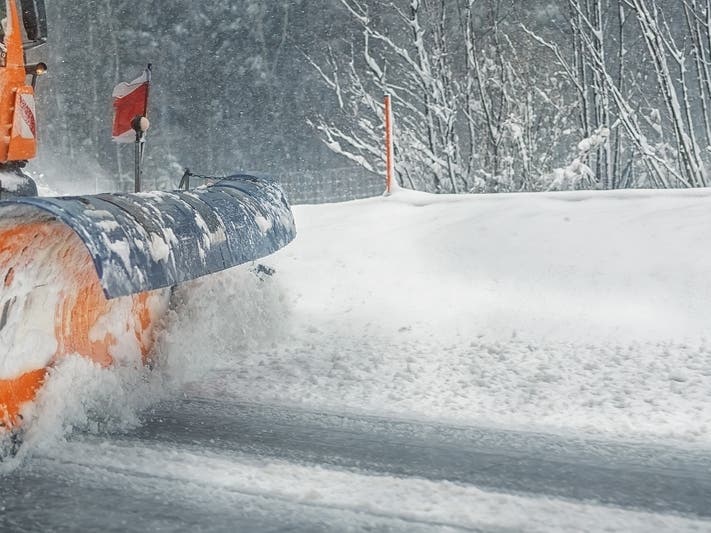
628	475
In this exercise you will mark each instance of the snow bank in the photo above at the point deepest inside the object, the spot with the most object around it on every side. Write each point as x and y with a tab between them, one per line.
557	311
559	266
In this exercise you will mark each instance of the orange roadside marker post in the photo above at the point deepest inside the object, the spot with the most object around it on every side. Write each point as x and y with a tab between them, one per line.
389	156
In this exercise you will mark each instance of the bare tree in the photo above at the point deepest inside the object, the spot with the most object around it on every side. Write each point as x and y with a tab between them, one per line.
471	114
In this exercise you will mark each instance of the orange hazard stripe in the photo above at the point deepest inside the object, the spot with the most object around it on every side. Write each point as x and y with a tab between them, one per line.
15	392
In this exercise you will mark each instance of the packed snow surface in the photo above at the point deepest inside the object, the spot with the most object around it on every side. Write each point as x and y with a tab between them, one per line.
444	506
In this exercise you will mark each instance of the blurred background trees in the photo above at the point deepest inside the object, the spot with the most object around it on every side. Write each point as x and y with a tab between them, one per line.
489	95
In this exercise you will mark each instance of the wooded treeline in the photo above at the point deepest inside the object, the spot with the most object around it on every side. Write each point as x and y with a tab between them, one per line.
232	89
489	95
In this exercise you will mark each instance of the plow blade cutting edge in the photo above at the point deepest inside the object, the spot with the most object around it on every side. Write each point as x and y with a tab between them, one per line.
91	275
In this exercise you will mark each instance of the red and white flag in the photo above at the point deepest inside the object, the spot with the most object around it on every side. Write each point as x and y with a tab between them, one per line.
130	101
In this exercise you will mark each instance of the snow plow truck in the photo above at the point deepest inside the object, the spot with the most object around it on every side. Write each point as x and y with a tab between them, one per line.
91	275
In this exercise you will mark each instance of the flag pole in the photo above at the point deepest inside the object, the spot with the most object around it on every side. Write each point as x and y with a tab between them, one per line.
149	75
140	124
137	164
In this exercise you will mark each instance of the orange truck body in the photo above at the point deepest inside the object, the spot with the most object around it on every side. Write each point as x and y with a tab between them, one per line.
76	315
18	131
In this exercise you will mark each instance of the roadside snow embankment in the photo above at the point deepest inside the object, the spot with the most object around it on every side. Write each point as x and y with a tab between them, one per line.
560	312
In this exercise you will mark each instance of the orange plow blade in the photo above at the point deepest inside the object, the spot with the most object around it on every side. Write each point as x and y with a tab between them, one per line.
52	305
91	275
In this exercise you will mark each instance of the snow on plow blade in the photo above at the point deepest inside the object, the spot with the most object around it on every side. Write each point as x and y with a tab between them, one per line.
145	241
90	275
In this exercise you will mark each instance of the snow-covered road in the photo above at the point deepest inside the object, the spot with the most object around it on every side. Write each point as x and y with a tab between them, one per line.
494	363
205	465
